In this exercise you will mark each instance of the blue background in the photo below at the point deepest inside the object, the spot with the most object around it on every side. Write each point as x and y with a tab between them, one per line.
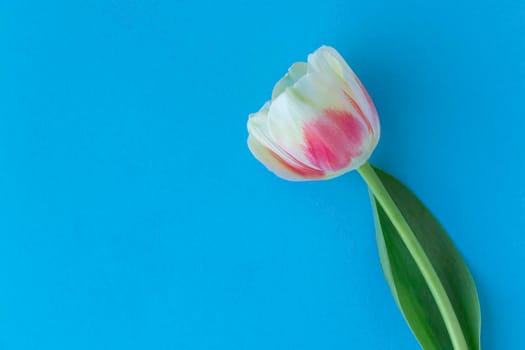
132	215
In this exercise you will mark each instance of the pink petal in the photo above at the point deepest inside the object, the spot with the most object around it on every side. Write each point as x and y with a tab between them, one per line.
333	140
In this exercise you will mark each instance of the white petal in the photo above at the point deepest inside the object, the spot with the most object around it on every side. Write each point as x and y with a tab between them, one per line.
321	92
266	157
295	72
329	63
286	119
258	129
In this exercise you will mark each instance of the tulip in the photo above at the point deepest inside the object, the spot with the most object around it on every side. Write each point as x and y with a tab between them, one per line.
319	124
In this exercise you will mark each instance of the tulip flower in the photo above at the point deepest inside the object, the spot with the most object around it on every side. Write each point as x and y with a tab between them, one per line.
320	122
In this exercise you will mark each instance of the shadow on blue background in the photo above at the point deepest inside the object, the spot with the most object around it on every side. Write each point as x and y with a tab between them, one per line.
132	215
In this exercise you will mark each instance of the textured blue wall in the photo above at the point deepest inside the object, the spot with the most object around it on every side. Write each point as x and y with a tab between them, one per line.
132	215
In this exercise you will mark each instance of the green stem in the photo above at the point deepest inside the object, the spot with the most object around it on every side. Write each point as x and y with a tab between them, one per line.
444	305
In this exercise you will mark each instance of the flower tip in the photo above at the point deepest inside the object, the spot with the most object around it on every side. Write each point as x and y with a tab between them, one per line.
320	122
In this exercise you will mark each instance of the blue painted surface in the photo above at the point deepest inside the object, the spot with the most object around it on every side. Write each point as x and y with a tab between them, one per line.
132	215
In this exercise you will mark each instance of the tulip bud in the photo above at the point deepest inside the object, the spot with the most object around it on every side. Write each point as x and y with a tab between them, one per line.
320	122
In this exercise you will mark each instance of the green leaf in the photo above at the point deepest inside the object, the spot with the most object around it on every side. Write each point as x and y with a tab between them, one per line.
407	282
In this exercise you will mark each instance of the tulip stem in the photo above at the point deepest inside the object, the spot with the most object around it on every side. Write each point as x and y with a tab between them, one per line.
380	193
